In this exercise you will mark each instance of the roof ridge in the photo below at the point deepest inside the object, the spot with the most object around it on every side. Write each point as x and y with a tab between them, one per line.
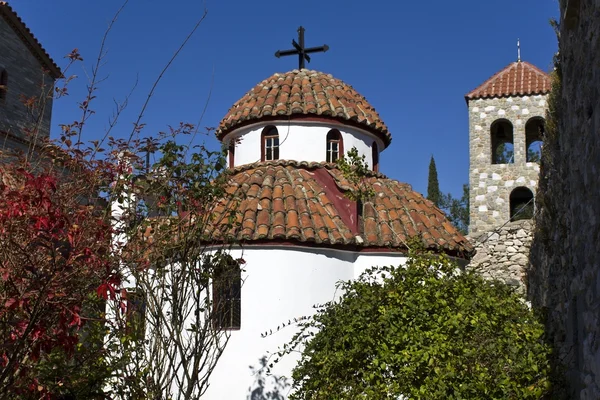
29	39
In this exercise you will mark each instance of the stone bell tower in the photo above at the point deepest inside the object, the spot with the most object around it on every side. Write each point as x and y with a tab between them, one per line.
506	127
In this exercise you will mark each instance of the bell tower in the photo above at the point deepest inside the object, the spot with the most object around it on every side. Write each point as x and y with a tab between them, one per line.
506	128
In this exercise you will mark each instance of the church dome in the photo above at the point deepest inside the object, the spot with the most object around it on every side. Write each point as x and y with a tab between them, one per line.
291	202
301	94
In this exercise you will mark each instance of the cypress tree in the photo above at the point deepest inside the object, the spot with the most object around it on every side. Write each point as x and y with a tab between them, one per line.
433	186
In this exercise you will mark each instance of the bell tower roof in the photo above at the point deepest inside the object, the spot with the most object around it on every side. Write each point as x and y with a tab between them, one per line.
519	78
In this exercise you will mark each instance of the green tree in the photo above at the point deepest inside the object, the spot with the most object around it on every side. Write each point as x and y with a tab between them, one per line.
433	186
457	210
504	154
423	331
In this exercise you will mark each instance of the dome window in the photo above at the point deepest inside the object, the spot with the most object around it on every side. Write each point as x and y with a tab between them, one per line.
375	157
270	144
335	146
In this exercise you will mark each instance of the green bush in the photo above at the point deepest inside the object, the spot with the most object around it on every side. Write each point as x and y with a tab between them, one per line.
423	331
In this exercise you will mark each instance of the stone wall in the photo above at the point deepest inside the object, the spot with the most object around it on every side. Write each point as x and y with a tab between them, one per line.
565	256
25	78
504	253
491	184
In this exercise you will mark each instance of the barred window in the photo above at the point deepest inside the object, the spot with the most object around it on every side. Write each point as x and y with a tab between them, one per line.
227	294
335	146
270	144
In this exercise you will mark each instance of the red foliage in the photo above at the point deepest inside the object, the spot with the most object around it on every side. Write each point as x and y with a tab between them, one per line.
54	253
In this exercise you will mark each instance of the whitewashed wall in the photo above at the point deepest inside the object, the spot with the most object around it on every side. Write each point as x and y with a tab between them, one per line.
300	141
279	285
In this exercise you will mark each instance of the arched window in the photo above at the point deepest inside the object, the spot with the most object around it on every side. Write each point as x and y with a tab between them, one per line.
335	146
521	204
375	157
502	142
231	153
227	293
3	85
270	144
534	134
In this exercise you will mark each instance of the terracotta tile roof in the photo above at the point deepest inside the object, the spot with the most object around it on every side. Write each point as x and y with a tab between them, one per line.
29	39
304	93
300	202
517	79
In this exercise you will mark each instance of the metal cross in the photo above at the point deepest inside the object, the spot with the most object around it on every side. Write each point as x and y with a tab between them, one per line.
301	50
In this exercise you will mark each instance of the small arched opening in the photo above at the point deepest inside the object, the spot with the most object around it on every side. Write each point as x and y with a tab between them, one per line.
521	204
502	142
269	144
375	156
335	146
535	129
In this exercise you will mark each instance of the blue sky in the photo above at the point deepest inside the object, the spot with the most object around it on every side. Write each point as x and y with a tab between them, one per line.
413	60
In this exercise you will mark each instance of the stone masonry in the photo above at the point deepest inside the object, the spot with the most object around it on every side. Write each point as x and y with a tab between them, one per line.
503	254
491	184
564	281
26	75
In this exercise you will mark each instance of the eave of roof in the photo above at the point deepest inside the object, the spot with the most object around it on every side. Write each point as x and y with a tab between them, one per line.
301	202
29	39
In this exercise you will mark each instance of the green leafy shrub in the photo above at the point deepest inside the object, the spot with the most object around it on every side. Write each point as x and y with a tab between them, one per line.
423	331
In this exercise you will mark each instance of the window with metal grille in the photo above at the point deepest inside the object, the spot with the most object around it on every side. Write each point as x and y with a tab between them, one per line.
270	144
227	295
335	146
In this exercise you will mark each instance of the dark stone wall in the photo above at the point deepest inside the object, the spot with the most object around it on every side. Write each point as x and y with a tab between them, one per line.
25	78
564	280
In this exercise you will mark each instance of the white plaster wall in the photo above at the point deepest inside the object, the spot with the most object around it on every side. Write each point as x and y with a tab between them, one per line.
304	141
280	284
365	261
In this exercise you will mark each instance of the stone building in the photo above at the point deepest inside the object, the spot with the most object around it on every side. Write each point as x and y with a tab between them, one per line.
26	71
564	280
506	126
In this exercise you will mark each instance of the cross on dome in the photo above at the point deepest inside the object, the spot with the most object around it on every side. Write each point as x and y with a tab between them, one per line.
301	50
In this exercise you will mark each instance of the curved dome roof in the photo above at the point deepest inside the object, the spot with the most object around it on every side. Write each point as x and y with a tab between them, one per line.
304	203
304	93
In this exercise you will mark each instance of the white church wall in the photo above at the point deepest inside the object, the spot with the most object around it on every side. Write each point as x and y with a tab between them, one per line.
305	141
280	284
367	260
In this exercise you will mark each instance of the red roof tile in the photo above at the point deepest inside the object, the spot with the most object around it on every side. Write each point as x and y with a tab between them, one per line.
29	39
517	79
304	203
304	93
